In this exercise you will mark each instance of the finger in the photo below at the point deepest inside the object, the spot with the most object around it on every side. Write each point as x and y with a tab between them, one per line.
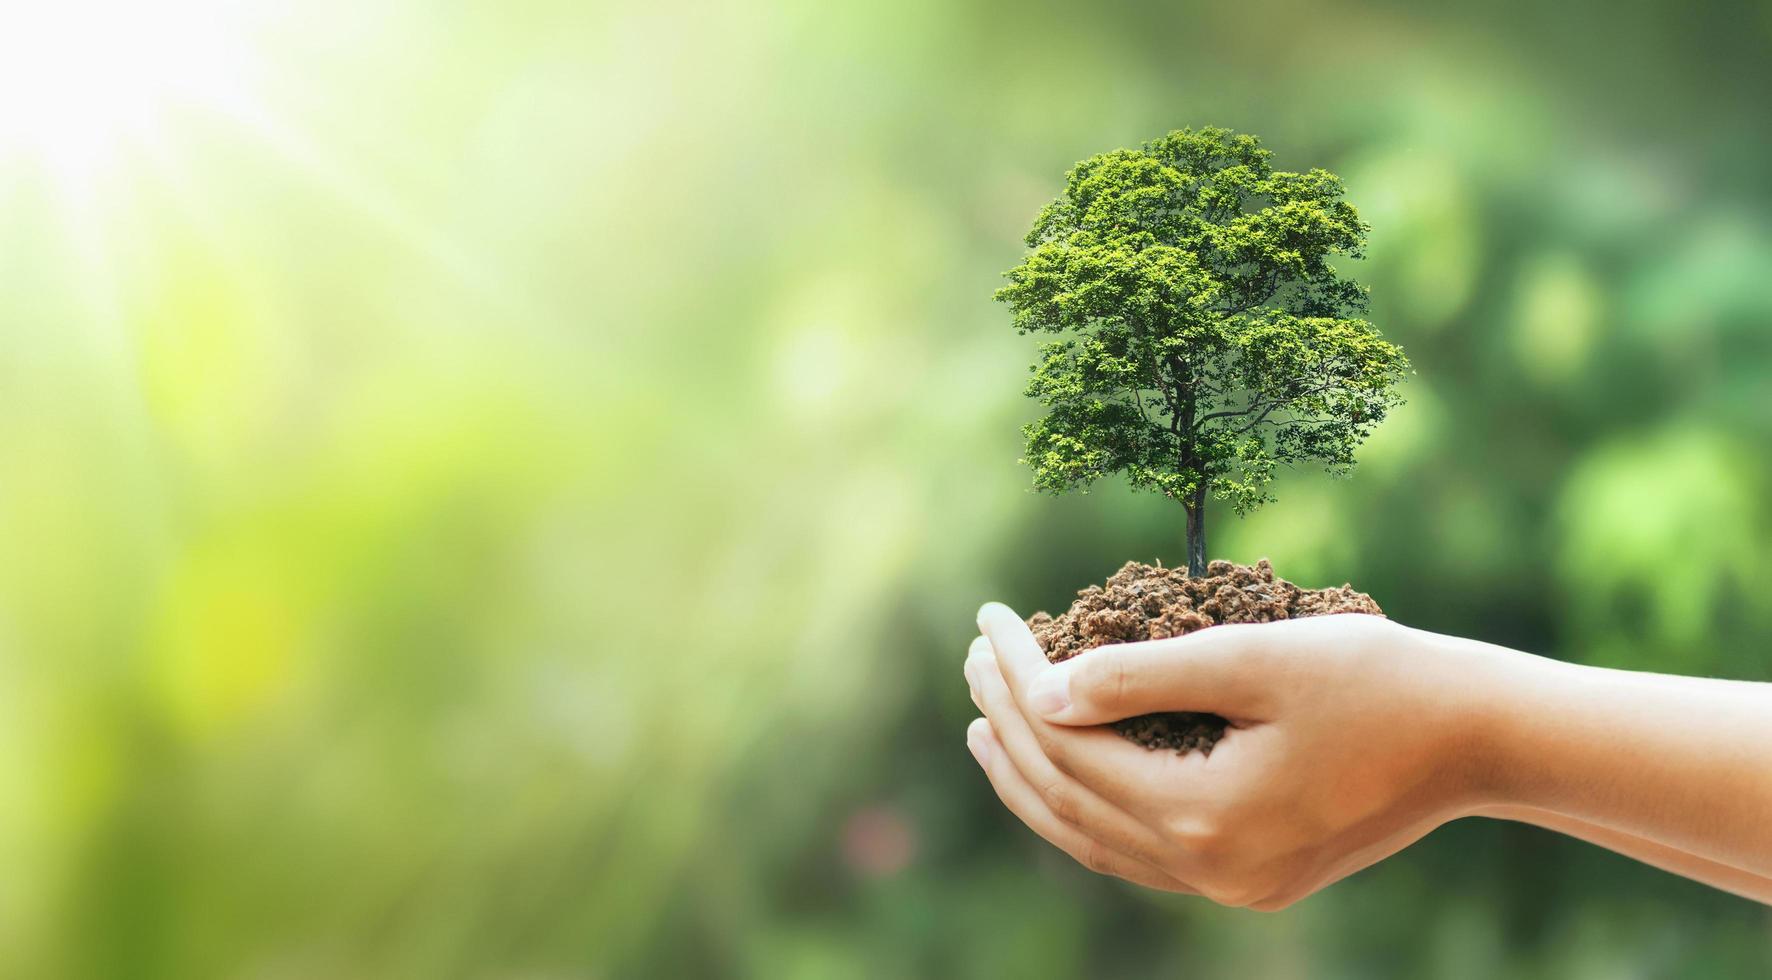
1120	772
1224	670
1023	801
966	668
1067	799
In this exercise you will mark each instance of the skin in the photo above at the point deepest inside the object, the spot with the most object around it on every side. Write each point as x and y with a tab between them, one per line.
1351	738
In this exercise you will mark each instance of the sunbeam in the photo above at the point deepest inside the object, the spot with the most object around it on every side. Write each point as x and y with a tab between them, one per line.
105	102
82	80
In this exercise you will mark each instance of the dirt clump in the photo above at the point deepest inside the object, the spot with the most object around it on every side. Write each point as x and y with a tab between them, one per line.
1150	602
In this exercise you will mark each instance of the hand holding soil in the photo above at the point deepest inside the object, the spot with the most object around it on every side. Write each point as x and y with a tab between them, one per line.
1150	602
1350	737
1204	335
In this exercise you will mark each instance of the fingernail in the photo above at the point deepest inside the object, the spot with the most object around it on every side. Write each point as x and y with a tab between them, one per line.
981	647
1050	692
985	610
978	742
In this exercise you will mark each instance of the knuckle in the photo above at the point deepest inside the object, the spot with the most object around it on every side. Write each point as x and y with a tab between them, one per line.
1233	888
1105	679
1215	860
1060	800
1234	894
1200	837
1050	746
1246	885
1118	684
1098	859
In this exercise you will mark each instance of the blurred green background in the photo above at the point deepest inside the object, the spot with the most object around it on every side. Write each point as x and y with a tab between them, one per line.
502	490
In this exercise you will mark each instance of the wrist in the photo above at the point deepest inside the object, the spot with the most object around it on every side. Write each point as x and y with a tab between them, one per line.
1519	731
1485	697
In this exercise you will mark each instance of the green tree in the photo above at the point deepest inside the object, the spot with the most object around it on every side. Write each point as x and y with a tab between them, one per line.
1207	336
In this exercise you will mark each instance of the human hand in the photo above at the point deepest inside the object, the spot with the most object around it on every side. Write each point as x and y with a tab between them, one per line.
1351	737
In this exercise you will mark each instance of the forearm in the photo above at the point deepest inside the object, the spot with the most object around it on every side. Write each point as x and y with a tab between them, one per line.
1682	762
1670	859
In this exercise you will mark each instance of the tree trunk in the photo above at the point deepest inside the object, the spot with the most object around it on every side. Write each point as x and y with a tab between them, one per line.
1196	533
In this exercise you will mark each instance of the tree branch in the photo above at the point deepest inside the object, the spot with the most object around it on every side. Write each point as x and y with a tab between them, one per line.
1245	430
1253	406
1320	389
1267	292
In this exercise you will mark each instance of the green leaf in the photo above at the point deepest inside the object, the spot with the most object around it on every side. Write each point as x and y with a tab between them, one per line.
1206	337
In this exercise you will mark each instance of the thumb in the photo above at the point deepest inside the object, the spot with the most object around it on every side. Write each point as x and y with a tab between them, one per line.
1217	670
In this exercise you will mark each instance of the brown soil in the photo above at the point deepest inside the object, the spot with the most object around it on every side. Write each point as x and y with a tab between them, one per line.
1150	602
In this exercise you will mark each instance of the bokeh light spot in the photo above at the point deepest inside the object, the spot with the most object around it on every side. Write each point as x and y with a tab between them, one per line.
1557	309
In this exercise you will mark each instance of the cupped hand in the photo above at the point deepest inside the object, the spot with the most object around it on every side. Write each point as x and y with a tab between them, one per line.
1350	738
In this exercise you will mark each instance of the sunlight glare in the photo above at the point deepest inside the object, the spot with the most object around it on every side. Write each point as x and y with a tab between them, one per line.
82	79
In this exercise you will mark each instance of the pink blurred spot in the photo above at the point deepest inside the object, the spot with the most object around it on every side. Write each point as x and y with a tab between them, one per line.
878	841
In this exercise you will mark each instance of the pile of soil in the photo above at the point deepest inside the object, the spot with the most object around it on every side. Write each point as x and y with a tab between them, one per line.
1150	602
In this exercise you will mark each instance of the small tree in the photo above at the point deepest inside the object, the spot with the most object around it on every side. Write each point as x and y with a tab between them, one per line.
1208	338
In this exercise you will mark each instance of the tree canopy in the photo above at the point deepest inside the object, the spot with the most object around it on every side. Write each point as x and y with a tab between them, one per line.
1205	334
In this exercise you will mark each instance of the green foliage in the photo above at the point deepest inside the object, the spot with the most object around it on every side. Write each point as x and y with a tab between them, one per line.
517	535
1208	337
